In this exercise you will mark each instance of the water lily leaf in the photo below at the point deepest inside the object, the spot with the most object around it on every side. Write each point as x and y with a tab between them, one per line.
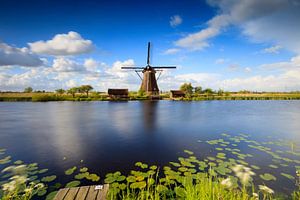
42	171
121	178
42	192
182	169
48	178
130	179
18	162
153	167
219	149
51	195
81	175
73	184
288	176
211	158
122	186
70	171
5	160
84	169
139	185
175	164
189	152
273	166
109	180
267	177
255	167
93	177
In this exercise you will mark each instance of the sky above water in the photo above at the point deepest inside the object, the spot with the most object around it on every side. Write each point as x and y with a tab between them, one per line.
226	44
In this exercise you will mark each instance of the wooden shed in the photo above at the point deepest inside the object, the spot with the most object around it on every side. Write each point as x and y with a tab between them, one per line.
177	94
118	93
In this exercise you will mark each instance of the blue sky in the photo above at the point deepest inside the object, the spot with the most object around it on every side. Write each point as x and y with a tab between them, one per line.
233	45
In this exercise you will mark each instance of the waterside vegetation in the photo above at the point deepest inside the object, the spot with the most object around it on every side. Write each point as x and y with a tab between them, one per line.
86	93
225	174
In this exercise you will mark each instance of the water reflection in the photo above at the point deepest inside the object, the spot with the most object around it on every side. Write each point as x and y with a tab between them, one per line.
150	115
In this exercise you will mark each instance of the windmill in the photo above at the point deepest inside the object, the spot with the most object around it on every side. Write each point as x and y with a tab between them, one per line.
149	80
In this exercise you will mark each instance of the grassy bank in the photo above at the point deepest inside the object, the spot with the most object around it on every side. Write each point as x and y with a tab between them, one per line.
95	96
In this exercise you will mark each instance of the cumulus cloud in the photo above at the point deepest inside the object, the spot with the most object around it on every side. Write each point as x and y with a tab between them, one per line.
67	65
62	45
171	51
273	49
274	21
175	20
18	56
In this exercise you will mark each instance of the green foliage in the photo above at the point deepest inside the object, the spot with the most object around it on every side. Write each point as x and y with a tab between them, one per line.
86	89
187	88
60	91
28	90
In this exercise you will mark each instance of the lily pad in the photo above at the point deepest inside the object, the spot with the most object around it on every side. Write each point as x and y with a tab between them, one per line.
5	160
42	171
139	185
70	171
73	184
288	176
48	178
84	169
267	177
51	195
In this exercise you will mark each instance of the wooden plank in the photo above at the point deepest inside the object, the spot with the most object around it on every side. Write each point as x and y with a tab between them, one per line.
82	193
61	194
103	193
92	193
71	193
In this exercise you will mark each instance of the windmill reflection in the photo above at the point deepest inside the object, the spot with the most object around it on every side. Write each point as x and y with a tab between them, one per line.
150	115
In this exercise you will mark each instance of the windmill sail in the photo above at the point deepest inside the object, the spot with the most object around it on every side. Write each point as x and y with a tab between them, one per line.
149	81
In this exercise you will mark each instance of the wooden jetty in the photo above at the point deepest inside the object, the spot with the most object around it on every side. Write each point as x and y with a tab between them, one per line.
94	192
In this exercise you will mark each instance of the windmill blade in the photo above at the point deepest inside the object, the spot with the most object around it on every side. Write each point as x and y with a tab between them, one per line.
148	57
164	67
132	67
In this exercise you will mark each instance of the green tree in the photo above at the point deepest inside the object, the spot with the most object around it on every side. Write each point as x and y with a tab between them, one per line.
220	92
198	90
28	90
86	89
208	91
187	88
73	91
60	91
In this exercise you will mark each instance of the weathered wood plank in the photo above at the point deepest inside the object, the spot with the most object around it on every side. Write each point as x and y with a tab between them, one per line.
71	193
61	194
92	193
103	193
82	193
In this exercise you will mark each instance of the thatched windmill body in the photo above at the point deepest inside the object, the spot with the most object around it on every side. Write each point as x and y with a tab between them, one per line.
149	80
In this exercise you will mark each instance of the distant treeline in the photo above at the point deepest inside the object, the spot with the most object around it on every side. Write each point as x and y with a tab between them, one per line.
86	93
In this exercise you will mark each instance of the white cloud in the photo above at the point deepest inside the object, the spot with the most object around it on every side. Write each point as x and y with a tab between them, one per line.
171	51
18	56
66	65
273	49
199	40
274	21
294	63
175	20
63	45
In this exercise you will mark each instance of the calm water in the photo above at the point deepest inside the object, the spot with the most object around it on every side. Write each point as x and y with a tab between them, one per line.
112	136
